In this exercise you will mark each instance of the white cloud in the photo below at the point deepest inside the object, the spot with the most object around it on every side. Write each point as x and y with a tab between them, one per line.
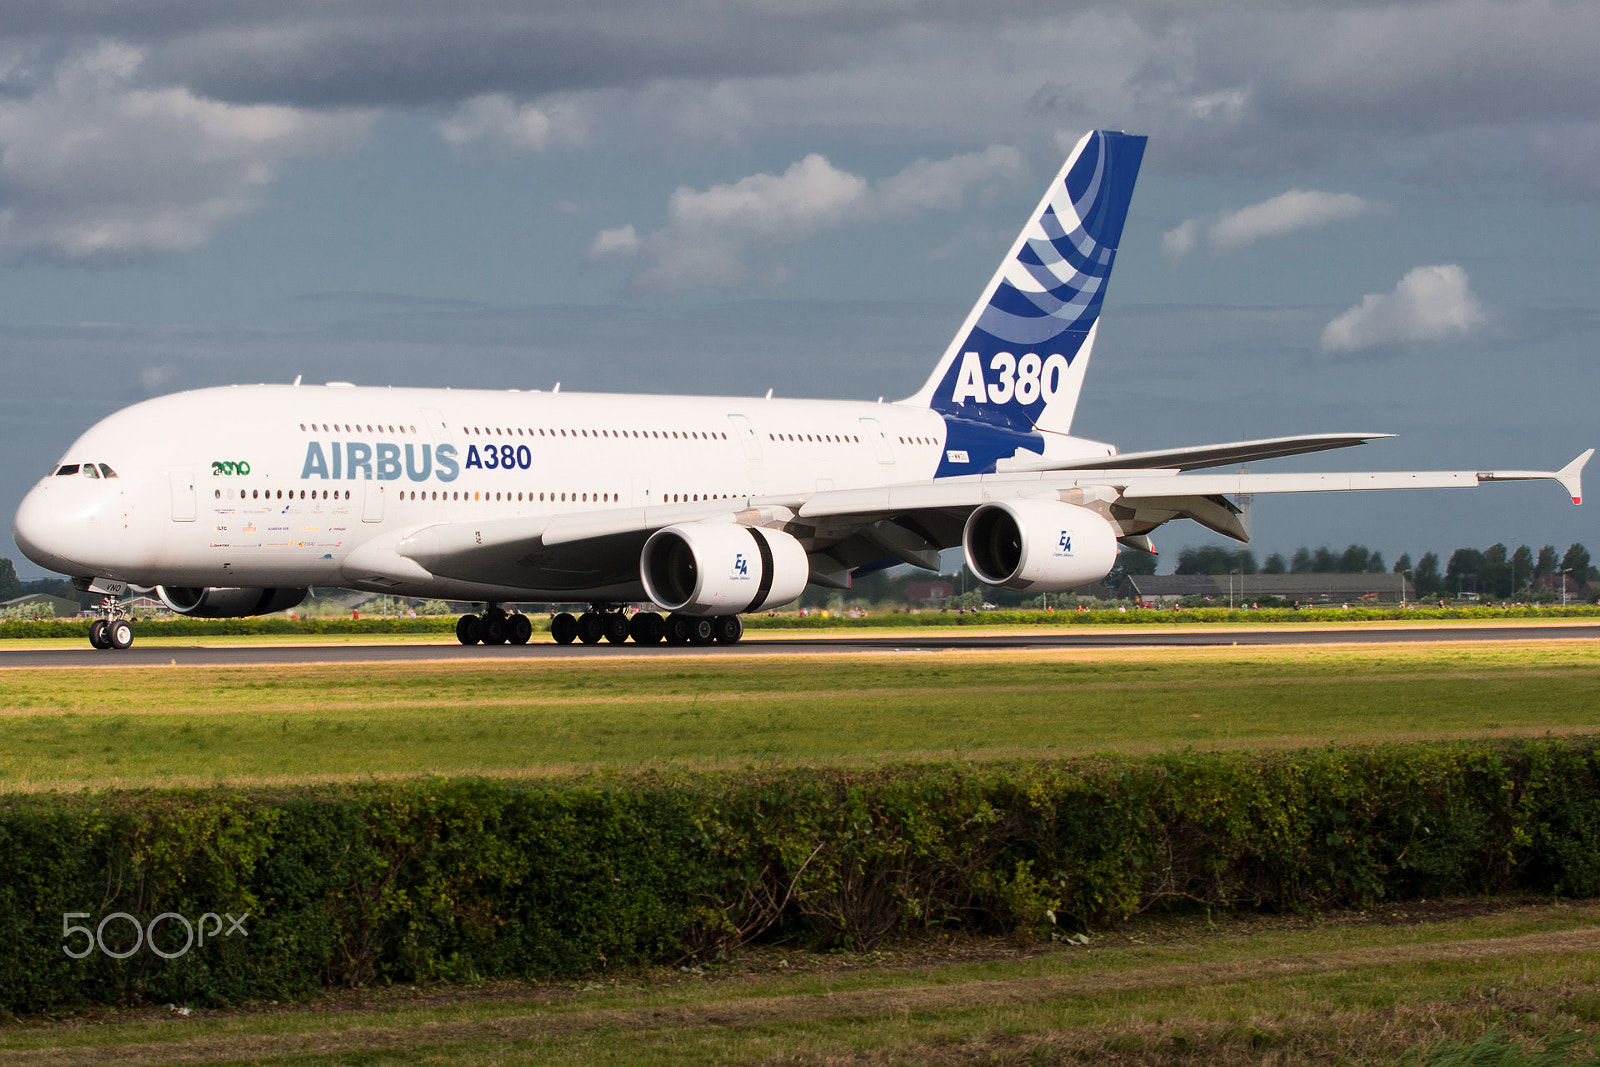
1429	304
93	167
619	243
709	233
497	121
941	185
1179	241
1297	209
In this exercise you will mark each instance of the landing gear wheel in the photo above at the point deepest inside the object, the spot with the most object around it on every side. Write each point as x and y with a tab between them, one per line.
469	629
120	633
564	628
97	634
677	629
615	624
729	629
646	628
518	629
702	630
590	628
495	629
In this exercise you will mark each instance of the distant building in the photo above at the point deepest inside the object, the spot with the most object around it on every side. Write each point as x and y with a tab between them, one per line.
932	594
45	604
1306	588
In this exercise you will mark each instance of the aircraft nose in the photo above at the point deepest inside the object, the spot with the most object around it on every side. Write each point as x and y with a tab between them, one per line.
43	534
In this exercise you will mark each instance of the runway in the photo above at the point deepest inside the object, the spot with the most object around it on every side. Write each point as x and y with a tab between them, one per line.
545	649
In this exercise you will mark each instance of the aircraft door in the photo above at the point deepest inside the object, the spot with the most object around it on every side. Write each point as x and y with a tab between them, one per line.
372	503
747	438
872	429
180	483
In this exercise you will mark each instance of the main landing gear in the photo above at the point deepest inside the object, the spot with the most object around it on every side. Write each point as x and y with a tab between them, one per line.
113	631
493	627
603	622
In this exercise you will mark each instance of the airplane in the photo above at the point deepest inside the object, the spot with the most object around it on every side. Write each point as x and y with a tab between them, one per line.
234	501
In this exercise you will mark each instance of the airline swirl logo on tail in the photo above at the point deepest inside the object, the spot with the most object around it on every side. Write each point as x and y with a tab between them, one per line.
1047	295
1025	346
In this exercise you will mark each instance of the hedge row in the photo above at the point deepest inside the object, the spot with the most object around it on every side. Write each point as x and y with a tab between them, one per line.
459	879
275	624
1184	616
270	624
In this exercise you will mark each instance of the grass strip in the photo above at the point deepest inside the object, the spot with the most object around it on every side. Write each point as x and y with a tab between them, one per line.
208	725
1153	993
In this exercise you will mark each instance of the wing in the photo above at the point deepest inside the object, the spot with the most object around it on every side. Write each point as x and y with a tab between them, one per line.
595	554
1198	456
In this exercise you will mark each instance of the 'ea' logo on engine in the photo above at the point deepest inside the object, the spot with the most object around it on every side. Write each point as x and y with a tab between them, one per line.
741	566
1064	544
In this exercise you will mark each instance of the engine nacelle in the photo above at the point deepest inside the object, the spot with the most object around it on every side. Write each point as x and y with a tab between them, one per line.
1040	546
225	602
715	568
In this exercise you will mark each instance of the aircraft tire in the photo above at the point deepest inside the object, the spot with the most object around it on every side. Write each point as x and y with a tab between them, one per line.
469	629
677	629
615	624
97	634
729	628
495	629
518	629
591	628
647	628
119	633
564	628
702	630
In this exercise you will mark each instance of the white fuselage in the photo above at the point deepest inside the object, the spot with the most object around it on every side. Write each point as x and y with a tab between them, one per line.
275	485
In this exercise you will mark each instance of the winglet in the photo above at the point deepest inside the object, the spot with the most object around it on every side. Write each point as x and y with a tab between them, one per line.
1571	476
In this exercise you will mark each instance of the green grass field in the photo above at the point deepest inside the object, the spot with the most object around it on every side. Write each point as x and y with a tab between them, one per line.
1347	988
188	725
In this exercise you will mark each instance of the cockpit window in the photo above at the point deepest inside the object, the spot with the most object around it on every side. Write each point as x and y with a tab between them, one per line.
67	468
105	469
89	471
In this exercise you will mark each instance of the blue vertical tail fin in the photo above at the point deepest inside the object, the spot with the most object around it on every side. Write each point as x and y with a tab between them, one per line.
1016	366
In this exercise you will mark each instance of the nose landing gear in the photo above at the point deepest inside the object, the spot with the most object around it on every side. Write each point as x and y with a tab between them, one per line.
113	631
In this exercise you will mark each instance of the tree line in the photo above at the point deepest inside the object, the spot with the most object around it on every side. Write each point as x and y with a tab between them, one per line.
1496	571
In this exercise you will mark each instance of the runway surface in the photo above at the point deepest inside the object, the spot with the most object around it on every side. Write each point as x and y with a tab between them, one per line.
542	648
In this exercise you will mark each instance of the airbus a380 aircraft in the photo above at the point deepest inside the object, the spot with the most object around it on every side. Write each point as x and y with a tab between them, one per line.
233	501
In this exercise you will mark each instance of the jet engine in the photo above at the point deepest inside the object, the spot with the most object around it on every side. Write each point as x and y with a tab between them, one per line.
1038	545
703	568
224	602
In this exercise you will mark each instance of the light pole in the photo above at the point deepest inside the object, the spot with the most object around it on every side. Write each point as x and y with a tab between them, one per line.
1403	586
1563	572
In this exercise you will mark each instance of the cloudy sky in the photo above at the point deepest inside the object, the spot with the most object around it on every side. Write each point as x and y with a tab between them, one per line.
1352	216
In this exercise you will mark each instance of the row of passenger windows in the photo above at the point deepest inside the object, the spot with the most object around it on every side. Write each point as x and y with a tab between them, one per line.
266	494
88	470
660	435
580	498
517	431
356	427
